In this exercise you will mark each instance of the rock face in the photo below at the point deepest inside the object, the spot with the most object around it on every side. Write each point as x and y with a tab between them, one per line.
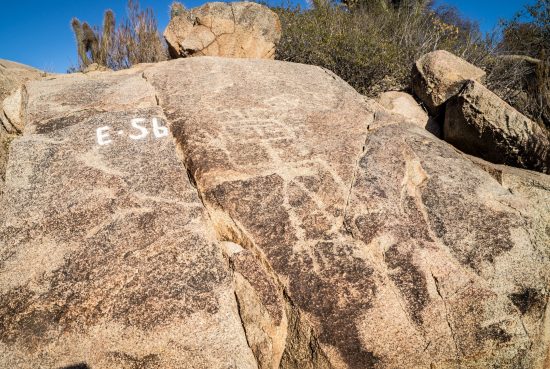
107	257
239	30
13	74
224	213
12	77
438	75
480	123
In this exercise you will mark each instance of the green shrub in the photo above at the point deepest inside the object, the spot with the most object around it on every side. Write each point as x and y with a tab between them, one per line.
372	46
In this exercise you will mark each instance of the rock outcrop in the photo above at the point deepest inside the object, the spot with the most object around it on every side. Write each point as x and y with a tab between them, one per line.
13	74
439	75
226	213
239	30
12	93
480	123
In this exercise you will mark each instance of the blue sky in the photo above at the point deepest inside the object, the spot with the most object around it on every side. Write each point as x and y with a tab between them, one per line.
38	33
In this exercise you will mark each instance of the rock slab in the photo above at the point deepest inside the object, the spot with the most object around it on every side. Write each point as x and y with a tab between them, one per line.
397	102
106	257
13	74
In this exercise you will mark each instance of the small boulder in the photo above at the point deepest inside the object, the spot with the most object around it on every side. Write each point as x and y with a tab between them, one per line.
480	123
439	75
239	30
402	103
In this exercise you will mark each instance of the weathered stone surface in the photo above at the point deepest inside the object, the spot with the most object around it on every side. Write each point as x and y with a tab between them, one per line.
402	103
438	75
239	29
304	227
478	122
13	74
106	256
388	244
12	77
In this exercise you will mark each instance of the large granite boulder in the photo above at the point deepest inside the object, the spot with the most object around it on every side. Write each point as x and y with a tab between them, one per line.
12	78
480	123
239	30
224	213
439	75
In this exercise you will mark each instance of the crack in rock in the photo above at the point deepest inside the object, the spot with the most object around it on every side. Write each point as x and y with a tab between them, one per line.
436	281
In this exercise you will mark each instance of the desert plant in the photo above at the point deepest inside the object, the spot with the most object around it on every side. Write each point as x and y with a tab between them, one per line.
519	70
373	46
107	37
136	40
86	41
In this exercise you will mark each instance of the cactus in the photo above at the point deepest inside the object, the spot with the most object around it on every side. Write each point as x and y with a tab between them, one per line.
135	41
91	47
91	42
107	38
84	61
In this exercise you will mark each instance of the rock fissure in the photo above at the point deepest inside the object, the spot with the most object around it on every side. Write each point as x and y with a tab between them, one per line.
347	227
156	96
246	335
294	346
8	125
449	324
227	229
234	18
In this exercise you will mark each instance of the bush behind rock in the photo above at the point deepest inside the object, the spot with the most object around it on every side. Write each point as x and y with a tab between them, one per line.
373	48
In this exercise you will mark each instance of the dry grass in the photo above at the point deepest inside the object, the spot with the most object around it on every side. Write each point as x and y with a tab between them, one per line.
524	83
373	47
136	40
520	73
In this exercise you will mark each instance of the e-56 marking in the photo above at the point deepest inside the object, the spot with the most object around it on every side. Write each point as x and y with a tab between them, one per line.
139	128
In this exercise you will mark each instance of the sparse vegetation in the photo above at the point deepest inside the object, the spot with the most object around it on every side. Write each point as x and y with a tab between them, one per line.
520	73
136	40
372	44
